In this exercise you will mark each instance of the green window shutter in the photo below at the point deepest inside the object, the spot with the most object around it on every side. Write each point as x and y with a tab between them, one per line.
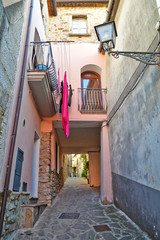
18	170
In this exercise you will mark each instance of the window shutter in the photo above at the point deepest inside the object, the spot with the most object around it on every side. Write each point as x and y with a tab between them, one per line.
18	170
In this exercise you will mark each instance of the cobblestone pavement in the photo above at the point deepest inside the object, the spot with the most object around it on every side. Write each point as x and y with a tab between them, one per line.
77	198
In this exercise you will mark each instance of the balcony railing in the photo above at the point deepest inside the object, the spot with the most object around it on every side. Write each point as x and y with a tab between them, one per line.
92	100
42	78
41	59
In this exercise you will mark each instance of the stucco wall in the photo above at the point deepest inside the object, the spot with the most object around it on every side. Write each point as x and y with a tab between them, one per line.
134	135
135	33
60	26
134	130
11	22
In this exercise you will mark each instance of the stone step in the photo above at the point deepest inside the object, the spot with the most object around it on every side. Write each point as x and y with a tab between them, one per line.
30	213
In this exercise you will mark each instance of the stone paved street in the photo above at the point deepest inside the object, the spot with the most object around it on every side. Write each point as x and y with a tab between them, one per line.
78	198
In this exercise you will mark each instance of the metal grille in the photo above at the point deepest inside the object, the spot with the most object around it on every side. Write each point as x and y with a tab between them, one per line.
41	59
69	216
101	228
92	100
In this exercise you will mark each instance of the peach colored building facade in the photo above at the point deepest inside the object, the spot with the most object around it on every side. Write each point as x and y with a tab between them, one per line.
88	132
85	129
40	138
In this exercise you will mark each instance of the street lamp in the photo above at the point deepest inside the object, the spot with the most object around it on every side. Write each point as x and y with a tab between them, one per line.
107	33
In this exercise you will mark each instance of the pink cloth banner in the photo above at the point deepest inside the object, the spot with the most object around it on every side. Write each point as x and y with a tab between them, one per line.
65	116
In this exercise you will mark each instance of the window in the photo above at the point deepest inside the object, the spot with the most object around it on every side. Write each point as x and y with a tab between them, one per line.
90	79
18	170
91	94
79	25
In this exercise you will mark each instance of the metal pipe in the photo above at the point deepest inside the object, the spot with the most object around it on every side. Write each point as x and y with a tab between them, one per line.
15	124
63	41
54	7
109	9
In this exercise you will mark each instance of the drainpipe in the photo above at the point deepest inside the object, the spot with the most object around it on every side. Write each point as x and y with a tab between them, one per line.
54	7
109	9
15	124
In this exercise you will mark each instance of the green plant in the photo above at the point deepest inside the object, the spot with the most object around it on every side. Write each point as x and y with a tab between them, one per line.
85	165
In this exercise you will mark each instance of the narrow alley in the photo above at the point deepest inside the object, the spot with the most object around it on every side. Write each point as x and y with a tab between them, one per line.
77	213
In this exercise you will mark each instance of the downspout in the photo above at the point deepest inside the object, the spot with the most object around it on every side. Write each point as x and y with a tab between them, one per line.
15	124
109	9
54	7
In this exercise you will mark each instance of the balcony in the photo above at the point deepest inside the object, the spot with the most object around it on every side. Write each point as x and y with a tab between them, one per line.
92	100
42	78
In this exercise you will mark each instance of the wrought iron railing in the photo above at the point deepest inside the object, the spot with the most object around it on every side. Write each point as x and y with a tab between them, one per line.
41	59
92	100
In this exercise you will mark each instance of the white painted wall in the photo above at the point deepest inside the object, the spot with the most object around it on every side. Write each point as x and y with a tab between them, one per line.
35	167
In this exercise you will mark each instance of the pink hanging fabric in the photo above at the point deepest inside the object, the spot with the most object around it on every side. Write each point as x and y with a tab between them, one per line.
59	90
65	116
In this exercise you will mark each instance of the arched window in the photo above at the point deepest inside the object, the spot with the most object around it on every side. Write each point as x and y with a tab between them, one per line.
90	79
91	91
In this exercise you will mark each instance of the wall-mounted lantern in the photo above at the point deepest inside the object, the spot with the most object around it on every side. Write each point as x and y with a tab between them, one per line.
107	33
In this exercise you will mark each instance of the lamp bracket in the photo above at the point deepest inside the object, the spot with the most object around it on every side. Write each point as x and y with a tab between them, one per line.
150	58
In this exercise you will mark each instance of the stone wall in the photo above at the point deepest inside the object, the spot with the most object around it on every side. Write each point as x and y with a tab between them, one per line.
65	166
50	182
60	26
44	169
12	213
57	182
11	23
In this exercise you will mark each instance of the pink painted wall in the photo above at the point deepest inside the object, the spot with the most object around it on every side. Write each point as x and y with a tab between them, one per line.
106	175
94	169
25	134
80	56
